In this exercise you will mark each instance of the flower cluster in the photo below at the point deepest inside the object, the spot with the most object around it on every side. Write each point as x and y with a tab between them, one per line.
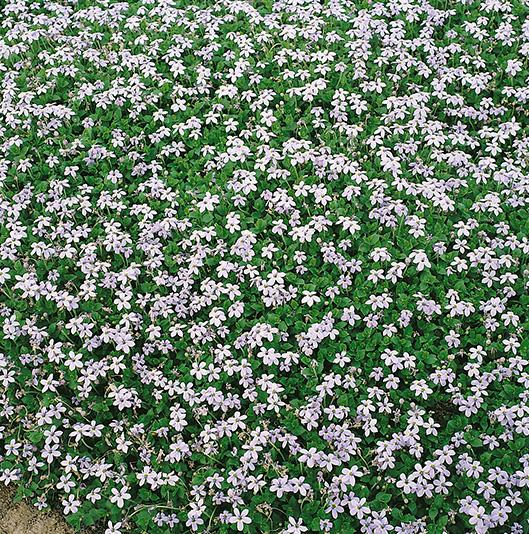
264	264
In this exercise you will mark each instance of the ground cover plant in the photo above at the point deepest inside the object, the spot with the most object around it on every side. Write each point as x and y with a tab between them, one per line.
264	265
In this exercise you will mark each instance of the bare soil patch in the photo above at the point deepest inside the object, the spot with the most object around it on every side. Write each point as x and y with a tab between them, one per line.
23	518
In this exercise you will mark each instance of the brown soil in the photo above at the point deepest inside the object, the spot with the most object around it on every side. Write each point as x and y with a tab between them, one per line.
23	518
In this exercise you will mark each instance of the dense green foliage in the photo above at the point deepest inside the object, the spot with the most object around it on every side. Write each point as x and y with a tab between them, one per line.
263	265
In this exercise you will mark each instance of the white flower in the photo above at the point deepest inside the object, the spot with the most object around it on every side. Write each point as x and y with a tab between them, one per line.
113	528
120	496
208	203
310	298
240	518
71	505
421	389
295	526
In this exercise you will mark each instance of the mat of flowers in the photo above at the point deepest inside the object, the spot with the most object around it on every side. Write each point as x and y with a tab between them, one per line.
264	264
